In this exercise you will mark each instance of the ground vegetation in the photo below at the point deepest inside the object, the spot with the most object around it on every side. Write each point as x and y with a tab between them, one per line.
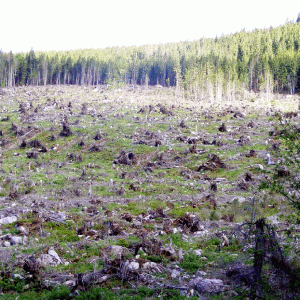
119	192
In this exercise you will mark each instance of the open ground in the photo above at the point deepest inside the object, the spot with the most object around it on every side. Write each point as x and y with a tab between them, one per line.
136	189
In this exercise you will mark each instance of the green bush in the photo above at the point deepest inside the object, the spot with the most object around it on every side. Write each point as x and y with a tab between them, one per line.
12	285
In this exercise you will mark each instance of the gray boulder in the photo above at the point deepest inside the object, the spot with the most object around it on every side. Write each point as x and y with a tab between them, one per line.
17	240
211	286
51	259
8	220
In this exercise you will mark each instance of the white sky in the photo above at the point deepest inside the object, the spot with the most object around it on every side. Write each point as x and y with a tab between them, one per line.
73	24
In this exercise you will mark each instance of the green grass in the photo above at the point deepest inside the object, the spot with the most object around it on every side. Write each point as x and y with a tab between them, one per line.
60	232
180	211
135	208
211	255
126	293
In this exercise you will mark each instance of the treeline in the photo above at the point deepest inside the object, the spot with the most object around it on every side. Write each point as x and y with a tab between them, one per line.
261	60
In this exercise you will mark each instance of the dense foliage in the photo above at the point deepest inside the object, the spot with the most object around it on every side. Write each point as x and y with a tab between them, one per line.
261	60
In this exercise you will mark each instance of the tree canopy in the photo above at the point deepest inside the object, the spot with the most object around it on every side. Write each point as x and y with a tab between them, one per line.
260	60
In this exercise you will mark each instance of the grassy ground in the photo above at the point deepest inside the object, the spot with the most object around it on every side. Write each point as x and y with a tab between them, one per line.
150	176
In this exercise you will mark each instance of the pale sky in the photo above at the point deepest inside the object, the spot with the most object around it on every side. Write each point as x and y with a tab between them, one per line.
73	24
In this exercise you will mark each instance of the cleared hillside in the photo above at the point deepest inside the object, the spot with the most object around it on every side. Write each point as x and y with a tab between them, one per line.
139	193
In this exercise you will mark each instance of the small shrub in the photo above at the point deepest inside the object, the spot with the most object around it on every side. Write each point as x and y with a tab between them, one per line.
192	263
214	216
12	285
123	243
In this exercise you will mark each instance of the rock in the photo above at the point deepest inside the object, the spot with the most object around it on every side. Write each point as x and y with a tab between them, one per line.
6	244
273	219
44	233
238	199
211	286
8	220
116	250
18	276
50	259
132	266
200	274
53	253
6	237
180	254
259	166
188	294
22	230
137	224
198	252
102	279
175	274
47	260
16	240
200	233
58	217
154	267
147	265
70	283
